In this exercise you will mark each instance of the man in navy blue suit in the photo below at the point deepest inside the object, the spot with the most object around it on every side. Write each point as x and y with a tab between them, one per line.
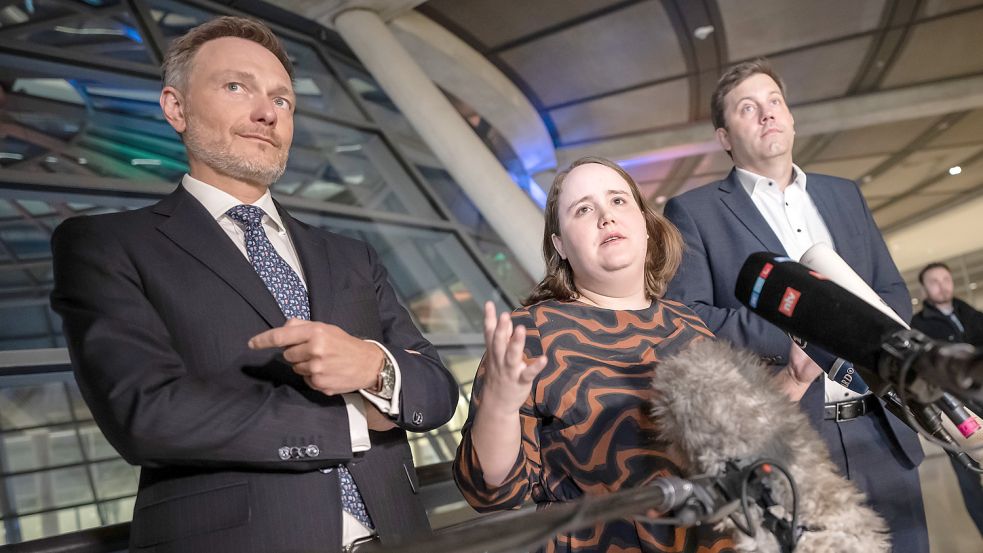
767	203
260	371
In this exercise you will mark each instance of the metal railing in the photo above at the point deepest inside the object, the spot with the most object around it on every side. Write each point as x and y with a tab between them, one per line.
434	480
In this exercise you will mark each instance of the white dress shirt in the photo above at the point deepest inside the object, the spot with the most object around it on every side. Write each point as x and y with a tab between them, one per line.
217	203
794	218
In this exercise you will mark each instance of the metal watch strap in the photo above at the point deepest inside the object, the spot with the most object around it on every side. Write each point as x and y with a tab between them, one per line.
386	382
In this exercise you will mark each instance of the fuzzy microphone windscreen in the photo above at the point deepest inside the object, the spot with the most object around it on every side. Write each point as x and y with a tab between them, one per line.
717	403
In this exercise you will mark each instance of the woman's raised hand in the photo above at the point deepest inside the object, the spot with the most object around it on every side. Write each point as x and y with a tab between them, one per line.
508	376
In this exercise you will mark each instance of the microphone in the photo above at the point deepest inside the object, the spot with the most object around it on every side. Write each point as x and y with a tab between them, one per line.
808	305
838	370
965	422
929	417
716	405
824	259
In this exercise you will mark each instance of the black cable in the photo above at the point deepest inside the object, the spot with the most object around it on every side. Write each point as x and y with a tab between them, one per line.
750	529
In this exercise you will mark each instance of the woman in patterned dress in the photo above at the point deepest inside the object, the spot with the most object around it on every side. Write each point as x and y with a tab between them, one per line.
559	402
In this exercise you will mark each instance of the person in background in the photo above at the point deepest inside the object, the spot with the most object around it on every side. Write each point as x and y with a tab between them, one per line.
260	371
949	319
560	399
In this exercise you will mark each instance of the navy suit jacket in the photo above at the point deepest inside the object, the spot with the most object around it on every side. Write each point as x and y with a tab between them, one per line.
158	305
722	227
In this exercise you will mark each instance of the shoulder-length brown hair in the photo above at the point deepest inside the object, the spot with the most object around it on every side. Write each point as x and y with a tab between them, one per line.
665	244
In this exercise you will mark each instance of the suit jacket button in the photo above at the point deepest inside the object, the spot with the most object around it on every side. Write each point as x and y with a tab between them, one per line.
313	451
284	453
417	418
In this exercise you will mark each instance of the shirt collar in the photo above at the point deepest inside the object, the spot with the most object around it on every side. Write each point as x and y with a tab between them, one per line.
749	181
217	202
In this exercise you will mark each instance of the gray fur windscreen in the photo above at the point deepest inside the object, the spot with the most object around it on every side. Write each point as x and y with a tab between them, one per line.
716	403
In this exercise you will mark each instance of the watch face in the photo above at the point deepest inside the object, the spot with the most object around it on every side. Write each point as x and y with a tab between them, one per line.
388	375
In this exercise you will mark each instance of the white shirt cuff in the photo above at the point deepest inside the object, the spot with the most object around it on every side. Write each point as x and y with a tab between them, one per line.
358	427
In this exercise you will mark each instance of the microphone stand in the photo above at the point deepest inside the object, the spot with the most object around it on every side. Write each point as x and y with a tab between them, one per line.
699	500
930	418
520	531
906	348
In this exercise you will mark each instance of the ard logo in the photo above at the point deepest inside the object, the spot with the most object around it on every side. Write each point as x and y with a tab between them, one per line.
789	299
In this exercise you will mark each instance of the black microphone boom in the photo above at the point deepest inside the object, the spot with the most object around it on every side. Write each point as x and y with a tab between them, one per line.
809	306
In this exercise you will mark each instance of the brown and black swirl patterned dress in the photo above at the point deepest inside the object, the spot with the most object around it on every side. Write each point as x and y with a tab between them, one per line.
584	427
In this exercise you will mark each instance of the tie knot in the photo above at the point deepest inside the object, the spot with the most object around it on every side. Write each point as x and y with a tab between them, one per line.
248	216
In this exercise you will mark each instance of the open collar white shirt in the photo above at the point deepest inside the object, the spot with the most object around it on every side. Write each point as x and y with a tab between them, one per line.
793	217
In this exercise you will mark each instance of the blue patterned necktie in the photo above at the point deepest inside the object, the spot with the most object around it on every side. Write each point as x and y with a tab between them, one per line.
291	296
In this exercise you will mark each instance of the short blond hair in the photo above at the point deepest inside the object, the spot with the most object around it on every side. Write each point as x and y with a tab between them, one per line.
181	53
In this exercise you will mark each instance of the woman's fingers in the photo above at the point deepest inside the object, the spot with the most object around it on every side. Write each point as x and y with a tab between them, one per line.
505	344
500	340
491	318
532	369
513	354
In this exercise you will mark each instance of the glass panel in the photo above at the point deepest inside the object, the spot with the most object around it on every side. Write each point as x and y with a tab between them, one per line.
508	272
7	210
431	271
27	241
49	489
12	278
338	164
114	479
29	343
175	18
411	145
36	208
19	13
317	89
33	405
79	409
113	37
136	155
26	322
120	510
57	89
95	444
505	266
42	275
40	448
378	104
428	450
15	153
41	525
463	363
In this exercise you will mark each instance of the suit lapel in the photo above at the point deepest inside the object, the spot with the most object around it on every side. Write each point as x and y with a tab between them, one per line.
321	265
191	227
738	201
825	202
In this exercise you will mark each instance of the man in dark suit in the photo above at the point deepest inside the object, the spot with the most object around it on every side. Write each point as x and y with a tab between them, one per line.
947	318
769	204
260	371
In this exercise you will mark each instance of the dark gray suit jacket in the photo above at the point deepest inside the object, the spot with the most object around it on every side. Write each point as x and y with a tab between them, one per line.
722	227
158	305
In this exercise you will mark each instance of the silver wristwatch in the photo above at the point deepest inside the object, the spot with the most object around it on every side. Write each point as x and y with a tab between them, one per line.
386	382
